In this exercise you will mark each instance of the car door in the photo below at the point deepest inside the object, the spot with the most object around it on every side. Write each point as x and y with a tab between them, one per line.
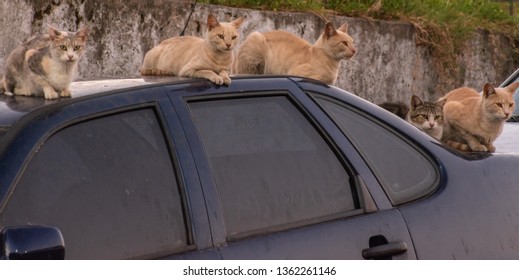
111	175
281	181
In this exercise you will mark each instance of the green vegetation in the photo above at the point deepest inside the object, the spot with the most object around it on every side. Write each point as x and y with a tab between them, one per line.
443	24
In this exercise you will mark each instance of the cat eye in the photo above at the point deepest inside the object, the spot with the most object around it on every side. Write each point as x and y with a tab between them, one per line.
63	47
500	105
424	116
220	36
77	48
437	117
345	43
234	37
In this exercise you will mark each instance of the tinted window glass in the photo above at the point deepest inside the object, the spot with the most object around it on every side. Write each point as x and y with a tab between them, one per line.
272	169
403	171
109	185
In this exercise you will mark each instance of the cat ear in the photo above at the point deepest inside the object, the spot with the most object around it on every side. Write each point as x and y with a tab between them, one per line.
212	22
53	32
83	33
415	101
237	22
512	87
329	30
344	28
488	89
441	102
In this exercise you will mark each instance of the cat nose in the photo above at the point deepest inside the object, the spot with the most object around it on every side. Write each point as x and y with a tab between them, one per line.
228	46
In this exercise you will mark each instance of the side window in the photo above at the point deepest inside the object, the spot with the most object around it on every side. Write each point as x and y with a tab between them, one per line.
109	185
272	168
403	171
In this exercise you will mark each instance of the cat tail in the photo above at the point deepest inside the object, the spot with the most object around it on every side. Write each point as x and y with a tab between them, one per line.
155	72
398	108
458	145
150	62
251	55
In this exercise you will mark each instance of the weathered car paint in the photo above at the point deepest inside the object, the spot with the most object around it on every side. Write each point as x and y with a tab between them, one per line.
473	214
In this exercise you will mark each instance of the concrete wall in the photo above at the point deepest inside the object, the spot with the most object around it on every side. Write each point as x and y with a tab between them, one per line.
388	66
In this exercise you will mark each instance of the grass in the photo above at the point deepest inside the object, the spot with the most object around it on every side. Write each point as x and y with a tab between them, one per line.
444	25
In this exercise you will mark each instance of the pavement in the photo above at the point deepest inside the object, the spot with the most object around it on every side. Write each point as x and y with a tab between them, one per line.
508	141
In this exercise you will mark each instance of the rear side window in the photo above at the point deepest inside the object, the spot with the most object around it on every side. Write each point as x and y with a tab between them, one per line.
272	168
109	185
404	172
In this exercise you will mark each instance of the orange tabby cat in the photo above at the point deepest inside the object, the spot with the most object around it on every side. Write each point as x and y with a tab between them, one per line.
280	52
189	56
472	121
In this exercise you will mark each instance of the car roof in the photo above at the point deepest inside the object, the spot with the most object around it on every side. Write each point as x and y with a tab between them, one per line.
13	108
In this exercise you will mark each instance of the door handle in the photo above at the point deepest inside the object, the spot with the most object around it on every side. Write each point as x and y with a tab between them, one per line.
385	250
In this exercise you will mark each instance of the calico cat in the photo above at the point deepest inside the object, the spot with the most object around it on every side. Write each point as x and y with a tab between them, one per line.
472	120
45	64
209	58
425	115
280	52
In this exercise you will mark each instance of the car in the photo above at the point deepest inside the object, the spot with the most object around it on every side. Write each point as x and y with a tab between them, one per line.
269	167
514	77
508	141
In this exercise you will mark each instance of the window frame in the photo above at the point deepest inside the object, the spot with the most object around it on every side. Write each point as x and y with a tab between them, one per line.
432	160
154	105
358	190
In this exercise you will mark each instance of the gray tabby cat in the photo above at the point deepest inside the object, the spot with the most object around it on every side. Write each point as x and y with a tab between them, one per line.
425	115
44	65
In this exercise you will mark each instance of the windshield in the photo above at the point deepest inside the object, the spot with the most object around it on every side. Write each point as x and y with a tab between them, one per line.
515	114
513	78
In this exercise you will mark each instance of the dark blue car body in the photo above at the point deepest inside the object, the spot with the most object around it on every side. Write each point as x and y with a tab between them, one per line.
266	168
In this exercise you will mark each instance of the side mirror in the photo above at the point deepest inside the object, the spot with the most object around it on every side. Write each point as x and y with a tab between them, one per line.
31	243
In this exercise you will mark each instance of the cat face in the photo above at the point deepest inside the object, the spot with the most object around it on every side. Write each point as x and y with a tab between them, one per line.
67	46
223	36
427	116
338	43
499	102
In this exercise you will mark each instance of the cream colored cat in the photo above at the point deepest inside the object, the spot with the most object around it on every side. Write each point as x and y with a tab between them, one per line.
280	52
472	121
209	58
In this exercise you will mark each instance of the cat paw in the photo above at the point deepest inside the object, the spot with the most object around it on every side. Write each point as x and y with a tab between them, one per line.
479	148
65	93
225	77
226	80
51	94
8	93
216	79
